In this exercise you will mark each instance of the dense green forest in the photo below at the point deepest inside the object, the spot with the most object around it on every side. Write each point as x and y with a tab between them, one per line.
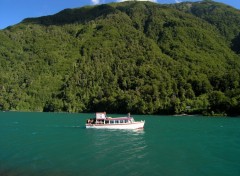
138	57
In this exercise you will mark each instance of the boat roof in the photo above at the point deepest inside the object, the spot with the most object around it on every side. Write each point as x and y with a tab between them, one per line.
119	118
102	116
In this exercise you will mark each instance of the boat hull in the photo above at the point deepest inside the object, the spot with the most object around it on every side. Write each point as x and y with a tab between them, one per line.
134	125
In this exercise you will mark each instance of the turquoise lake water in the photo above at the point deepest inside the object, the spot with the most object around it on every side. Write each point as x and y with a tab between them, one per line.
57	144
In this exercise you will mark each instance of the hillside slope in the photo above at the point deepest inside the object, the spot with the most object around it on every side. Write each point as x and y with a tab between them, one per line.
133	56
224	17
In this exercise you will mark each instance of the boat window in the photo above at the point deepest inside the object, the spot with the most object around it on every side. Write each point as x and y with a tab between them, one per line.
121	121
111	121
106	121
126	121
116	121
100	121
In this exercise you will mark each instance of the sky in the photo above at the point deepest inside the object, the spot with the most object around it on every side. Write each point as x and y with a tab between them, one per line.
14	11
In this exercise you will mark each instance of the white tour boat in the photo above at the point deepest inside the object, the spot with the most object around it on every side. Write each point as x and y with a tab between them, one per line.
101	121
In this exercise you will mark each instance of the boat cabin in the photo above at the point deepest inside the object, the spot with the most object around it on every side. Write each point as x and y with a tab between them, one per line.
101	118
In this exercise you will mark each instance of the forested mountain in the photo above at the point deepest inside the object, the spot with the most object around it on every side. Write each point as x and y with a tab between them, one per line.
138	57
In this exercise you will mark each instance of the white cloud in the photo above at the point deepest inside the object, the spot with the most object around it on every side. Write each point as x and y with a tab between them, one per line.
137	0
95	2
178	1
